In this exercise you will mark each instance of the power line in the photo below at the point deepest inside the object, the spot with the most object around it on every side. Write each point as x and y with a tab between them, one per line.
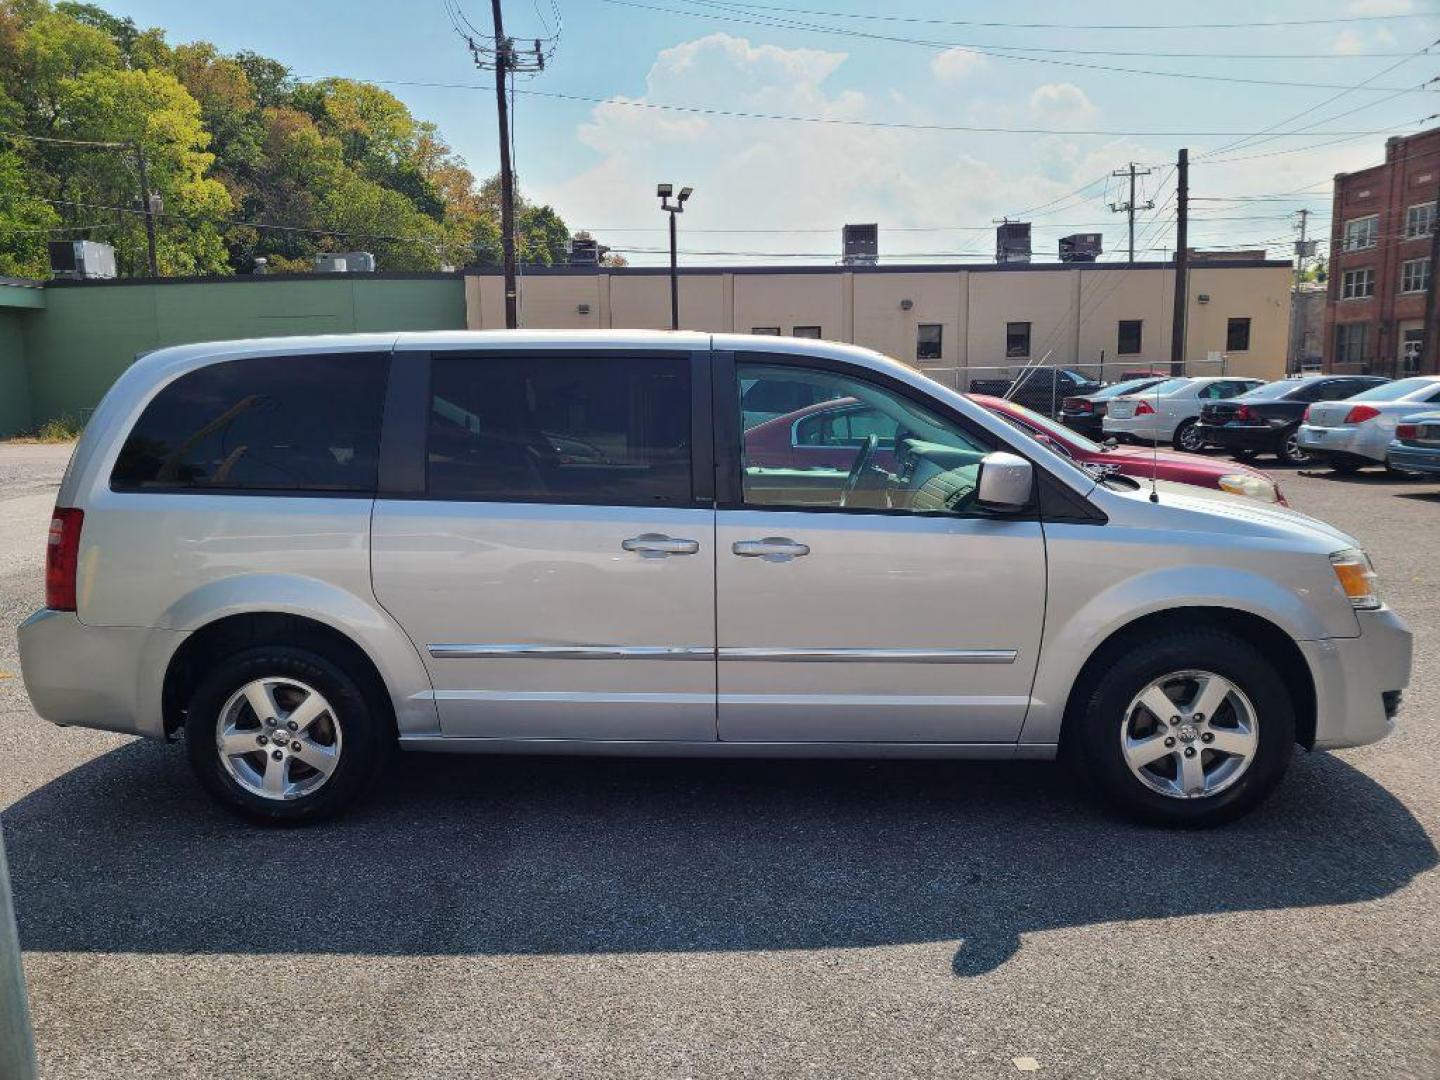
998	52
1085	26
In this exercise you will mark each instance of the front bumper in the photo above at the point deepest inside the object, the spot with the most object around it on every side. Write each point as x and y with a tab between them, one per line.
1256	437
1414	458
106	677
1356	680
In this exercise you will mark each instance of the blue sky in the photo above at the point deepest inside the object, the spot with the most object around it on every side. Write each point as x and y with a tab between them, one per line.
934	193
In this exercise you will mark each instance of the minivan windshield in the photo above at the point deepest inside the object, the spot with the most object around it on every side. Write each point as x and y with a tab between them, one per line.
1397	390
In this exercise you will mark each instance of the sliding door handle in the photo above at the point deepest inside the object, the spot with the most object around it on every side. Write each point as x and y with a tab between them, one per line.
773	548
658	545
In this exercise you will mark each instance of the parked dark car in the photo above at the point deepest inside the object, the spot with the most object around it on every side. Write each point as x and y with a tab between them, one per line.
1041	389
1086	412
1267	419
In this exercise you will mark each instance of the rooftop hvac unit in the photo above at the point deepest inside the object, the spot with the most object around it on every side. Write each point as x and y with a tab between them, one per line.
345	262
586	251
1012	242
860	245
81	260
1080	247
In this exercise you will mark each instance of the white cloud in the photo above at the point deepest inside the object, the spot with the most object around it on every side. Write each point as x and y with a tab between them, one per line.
1348	43
956	65
1062	104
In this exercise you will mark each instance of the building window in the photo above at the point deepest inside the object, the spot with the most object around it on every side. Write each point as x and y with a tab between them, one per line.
1237	335
1017	339
929	341
766	331
1362	233
1419	220
1412	343
806	331
1357	284
1350	343
1129	339
1414	275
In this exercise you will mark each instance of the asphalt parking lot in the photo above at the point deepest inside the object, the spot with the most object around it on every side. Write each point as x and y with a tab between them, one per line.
536	917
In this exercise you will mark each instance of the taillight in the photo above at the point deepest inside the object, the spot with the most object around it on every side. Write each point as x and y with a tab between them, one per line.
1142	407
62	555
1305	416
1075	404
1407	431
1243	413
1360	413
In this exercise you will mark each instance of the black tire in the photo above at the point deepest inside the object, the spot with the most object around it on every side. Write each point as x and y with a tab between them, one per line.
365	745
1245	457
1188	438
1343	466
1291	452
1092	737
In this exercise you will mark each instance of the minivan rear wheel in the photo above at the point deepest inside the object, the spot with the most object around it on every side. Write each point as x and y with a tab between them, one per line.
1190	729
284	735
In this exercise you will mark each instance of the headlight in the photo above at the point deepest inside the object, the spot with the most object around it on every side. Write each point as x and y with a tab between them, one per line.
1256	487
1357	578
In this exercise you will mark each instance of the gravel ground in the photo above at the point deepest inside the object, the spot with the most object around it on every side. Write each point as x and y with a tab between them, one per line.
536	917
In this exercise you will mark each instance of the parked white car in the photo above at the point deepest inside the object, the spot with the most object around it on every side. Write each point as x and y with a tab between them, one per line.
1350	434
1168	411
304	553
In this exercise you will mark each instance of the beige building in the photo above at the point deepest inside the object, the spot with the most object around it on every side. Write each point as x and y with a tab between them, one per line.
956	322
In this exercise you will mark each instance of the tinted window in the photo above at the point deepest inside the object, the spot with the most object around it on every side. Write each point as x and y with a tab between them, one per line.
1169	386
551	429
1274	391
1237	335
1129	337
1130	386
845	427
271	423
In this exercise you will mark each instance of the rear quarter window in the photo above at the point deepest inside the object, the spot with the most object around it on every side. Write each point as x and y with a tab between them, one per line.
272	423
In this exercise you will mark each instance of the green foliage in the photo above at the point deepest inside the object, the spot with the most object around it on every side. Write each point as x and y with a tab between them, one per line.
247	161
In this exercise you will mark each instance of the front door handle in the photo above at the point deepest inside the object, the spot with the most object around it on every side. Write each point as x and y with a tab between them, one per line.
658	545
772	548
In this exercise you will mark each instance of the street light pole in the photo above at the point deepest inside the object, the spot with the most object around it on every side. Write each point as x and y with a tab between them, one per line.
663	192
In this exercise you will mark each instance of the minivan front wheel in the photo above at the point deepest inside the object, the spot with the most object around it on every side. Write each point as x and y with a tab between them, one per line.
1190	729
281	734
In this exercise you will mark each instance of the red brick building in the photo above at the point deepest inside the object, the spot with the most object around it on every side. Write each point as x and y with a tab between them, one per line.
1380	262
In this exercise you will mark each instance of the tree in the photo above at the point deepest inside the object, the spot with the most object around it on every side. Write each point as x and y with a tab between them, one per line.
26	223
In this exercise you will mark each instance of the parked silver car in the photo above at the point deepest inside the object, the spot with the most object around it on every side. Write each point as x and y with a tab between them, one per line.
302	553
1168	411
1357	431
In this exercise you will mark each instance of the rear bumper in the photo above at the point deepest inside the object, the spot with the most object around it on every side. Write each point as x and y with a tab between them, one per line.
1088	424
1235	437
1357	680
1351	442
1139	427
1415	458
106	677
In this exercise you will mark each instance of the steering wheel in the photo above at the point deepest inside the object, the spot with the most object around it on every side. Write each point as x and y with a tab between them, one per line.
863	459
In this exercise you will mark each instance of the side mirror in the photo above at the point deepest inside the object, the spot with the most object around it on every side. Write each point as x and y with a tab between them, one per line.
1005	482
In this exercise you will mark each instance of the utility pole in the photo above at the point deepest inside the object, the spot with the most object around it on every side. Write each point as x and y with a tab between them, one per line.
1128	208
505	60
507	179
1182	262
1297	316
147	204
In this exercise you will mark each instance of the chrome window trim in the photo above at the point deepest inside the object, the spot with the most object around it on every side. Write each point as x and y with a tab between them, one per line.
730	653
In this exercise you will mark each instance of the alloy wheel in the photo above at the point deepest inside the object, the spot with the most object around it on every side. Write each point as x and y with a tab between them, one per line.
1189	735
1191	440
1294	453
278	738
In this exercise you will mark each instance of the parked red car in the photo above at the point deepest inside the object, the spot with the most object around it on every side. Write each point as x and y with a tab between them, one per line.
1139	462
827	435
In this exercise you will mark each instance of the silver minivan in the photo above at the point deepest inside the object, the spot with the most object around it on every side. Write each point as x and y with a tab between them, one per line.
303	553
